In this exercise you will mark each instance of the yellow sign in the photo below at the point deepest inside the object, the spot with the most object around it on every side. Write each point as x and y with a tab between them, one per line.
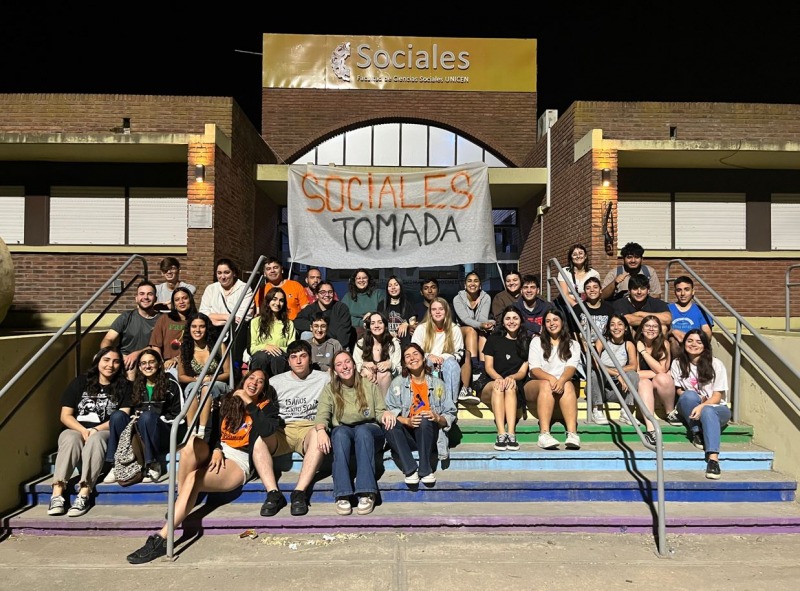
399	63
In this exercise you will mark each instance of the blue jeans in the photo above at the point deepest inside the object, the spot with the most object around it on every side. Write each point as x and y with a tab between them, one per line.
151	428
404	440
451	376
364	439
712	419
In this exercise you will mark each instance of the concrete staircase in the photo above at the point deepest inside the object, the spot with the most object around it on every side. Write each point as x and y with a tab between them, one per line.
609	485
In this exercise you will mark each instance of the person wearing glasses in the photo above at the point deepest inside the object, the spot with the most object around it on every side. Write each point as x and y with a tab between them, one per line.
323	347
338	314
155	402
655	379
171	270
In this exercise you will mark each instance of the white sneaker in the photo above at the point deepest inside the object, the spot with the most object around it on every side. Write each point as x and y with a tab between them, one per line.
153	473
547	441
57	507
110	478
599	417
412	479
429	479
79	507
573	441
624	420
343	507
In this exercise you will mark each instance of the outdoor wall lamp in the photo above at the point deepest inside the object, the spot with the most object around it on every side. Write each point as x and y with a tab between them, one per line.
199	173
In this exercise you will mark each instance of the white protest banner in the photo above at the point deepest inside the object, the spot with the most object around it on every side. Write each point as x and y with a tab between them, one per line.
345	219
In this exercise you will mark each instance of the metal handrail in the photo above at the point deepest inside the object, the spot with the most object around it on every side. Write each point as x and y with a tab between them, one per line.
173	435
79	334
788	302
659	447
740	346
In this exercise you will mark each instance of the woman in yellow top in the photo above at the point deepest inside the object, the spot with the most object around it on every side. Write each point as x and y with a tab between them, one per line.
354	410
270	333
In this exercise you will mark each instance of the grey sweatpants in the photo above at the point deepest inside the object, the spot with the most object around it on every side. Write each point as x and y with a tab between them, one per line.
599	393
91	455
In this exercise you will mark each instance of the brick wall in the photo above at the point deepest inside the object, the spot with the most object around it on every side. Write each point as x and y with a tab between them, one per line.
294	120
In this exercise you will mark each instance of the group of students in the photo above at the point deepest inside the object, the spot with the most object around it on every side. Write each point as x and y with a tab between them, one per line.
395	377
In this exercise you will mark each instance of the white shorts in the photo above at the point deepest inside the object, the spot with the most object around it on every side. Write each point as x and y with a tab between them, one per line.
240	458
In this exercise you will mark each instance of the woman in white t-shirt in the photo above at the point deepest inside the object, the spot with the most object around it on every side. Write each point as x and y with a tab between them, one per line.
701	383
578	271
553	360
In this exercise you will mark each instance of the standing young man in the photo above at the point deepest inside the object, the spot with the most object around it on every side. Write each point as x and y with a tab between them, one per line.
686	315
615	284
296	298
132	329
297	393
531	307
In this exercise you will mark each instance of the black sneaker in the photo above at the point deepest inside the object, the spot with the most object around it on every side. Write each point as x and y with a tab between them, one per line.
697	440
650	437
274	503
712	470
154	547
511	443
299	502
502	442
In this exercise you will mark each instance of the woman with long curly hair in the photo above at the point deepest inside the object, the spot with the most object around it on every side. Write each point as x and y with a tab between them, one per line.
270	333
86	406
361	299
168	333
198	341
223	465
553	360
701	383
154	395
354	410
377	353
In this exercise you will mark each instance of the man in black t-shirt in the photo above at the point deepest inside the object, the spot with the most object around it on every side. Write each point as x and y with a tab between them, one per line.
638	304
599	311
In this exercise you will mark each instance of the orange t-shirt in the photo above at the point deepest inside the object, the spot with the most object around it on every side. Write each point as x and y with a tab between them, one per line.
419	399
296	297
241	437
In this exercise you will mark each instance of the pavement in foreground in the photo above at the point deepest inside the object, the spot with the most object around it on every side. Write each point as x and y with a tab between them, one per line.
399	561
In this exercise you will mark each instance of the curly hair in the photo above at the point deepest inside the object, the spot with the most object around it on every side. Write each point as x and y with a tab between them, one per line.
354	291
187	346
160	381
173	313
232	409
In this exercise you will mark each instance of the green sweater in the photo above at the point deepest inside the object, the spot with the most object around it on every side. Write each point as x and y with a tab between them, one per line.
326	414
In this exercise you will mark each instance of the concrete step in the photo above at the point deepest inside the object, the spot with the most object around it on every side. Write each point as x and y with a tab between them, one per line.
457	486
593	517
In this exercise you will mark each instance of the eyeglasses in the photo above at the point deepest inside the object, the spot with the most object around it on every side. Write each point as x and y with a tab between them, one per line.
325	292
148	364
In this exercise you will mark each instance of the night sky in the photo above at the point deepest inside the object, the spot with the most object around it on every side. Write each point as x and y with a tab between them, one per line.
618	51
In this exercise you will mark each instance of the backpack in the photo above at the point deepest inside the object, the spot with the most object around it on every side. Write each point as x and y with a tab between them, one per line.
129	457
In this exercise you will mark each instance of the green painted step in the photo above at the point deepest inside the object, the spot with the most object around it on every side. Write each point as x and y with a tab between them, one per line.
483	431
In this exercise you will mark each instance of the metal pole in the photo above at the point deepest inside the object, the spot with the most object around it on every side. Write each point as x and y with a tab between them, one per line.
737	361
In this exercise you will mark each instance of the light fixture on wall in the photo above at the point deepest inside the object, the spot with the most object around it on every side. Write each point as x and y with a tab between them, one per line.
606	177
199	173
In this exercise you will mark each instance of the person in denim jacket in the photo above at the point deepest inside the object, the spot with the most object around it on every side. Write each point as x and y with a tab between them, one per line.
424	415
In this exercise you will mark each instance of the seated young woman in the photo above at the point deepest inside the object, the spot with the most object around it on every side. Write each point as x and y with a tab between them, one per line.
398	311
270	333
377	353
353	409
361	299
553	361
224	464
155	402
654	376
617	334
443	344
86	406
473	308
423	411
167	335
701	383
198	341
506	363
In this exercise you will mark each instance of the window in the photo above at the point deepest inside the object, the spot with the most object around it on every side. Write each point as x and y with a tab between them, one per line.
704	221
785	219
12	215
107	216
399	144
